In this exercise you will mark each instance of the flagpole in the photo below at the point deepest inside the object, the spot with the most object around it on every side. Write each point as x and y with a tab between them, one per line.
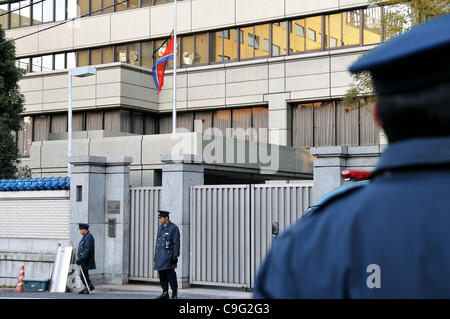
174	86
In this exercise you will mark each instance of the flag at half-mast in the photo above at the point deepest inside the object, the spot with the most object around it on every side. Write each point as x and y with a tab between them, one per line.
159	68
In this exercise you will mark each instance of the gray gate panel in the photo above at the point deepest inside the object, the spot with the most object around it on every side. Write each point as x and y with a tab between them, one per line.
143	227
220	238
285	204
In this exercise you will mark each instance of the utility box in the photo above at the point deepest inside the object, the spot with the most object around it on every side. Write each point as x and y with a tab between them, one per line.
35	285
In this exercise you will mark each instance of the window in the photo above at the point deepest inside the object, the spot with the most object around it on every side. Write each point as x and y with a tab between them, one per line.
4	18
83	58
121	53
36	64
297	36
96	56
351	28
37	12
314	26
47	63
146	3
60	61
15	16
47	11
25	13
333	30
71	60
224	34
372	26
60	11
279	39
24	136
108	55
96	6
108	6
299	30
83	6
266	45
201	48
188	50
147	52
72	9
133	56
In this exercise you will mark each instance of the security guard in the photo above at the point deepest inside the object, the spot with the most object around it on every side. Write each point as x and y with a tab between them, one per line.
86	256
389	239
167	251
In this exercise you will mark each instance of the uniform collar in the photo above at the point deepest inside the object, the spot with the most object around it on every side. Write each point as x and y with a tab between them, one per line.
415	152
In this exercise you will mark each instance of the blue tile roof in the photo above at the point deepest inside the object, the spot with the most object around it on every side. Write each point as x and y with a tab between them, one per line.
34	184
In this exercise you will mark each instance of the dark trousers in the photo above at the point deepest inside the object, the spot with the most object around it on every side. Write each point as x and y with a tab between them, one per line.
168	276
86	274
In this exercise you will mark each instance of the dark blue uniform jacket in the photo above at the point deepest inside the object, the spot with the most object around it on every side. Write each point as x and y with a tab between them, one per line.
86	251
167	246
389	239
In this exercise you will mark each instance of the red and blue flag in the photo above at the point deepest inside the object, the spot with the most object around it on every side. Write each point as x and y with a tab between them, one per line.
159	68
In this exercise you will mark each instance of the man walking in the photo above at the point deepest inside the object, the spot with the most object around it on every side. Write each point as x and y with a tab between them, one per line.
86	257
167	250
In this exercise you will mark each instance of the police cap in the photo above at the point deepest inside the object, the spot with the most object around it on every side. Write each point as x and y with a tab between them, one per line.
83	226
416	59
163	213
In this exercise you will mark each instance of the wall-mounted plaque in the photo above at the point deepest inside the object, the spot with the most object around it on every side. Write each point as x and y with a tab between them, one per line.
113	207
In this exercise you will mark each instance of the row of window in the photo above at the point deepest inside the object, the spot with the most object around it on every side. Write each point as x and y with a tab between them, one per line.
27	12
44	127
313	124
331	123
349	28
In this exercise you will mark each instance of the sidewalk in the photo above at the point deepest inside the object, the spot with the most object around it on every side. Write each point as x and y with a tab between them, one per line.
153	290
192	292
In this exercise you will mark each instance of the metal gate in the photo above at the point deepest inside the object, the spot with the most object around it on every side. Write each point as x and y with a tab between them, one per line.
143	227
220	235
231	228
283	204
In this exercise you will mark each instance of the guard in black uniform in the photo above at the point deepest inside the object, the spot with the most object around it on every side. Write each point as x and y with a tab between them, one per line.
86	256
167	251
390	238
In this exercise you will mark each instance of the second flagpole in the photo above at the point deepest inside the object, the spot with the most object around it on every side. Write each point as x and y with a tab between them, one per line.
174	86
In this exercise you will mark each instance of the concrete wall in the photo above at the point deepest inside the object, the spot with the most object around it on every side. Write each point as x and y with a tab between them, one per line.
49	158
32	223
331	161
156	21
114	85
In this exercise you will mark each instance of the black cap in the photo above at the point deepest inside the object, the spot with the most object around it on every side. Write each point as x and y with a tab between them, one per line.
414	60
163	213
83	226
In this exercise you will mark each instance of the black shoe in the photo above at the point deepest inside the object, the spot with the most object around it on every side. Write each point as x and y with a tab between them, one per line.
164	295
91	287
84	291
174	295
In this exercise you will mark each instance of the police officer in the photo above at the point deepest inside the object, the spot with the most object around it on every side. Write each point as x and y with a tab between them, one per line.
86	257
390	238
167	250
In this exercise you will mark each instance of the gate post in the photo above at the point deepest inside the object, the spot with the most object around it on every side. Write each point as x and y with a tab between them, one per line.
100	196
179	173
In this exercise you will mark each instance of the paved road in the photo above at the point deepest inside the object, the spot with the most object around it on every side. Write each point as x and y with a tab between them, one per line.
46	295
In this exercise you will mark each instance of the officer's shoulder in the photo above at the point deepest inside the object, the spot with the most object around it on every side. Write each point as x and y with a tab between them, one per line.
333	196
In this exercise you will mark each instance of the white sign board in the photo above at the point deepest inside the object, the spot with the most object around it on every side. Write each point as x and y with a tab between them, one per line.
61	269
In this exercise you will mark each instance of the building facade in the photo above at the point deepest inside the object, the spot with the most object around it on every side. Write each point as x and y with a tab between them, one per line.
278	67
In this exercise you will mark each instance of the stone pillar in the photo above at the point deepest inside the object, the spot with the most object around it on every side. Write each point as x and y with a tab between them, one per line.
87	205
117	210
280	130
332	160
100	193
180	172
